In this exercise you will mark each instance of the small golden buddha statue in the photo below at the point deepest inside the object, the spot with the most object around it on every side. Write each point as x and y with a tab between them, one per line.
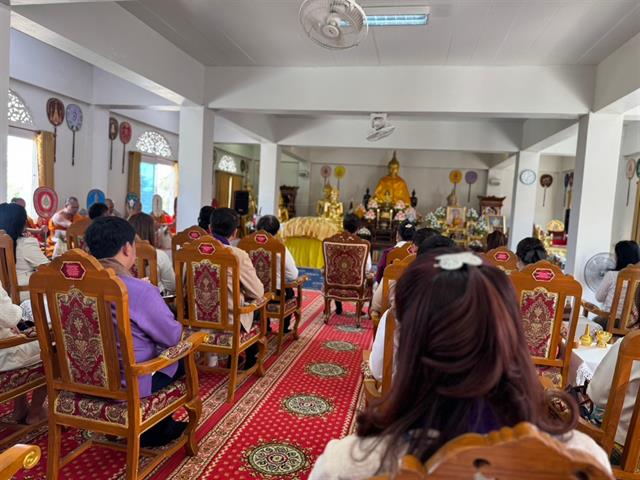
335	209
283	211
253	208
387	199
323	204
394	184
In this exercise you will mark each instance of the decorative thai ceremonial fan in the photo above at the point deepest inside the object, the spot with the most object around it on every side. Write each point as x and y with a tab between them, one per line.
325	172
470	177
631	171
339	172
45	201
95	196
546	181
55	114
74	122
125	137
455	177
113	134
596	268
334	24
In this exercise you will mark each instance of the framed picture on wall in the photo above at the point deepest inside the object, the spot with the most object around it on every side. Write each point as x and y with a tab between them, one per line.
456	216
496	223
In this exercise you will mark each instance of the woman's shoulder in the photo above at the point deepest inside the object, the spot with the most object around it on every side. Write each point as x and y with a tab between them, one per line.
349	457
580	442
27	242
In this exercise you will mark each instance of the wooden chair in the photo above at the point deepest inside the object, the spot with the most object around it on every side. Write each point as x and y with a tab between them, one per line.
203	303
543	290
84	370
605	434
519	453
267	254
345	276
146	265
17	458
628	281
75	234
190	234
503	258
8	275
399	253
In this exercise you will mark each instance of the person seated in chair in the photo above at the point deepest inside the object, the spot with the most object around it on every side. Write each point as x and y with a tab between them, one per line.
98	210
204	217
496	239
405	233
271	225
530	250
153	327
463	366
224	228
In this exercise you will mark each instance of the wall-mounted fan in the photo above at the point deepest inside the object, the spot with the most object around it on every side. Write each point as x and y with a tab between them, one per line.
334	24
380	128
596	268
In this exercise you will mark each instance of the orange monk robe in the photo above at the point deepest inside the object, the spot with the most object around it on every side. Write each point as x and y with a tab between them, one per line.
53	227
396	186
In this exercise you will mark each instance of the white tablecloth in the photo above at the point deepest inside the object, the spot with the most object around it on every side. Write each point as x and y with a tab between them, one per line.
584	361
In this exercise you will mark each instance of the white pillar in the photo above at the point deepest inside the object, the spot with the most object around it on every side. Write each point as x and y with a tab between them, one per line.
268	188
5	25
523	203
594	189
99	149
195	160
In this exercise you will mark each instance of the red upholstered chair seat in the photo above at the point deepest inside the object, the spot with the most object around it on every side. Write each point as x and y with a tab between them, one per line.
113	411
12	379
342	293
289	306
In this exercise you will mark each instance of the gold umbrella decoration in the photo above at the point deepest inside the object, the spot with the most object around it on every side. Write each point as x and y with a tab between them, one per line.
339	172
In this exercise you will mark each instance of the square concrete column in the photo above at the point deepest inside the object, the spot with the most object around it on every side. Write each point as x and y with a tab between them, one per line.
268	187
594	189
195	162
5	32
523	203
99	123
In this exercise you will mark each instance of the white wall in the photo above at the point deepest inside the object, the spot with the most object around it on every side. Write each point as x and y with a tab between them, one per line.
557	167
505	175
623	213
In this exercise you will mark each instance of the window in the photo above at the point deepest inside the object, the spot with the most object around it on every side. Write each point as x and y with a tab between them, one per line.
160	178
18	113
154	143
227	164
22	169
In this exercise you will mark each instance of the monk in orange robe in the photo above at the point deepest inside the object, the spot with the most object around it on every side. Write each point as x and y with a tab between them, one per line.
61	220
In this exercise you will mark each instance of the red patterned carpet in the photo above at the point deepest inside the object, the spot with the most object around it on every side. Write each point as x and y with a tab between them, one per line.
279	423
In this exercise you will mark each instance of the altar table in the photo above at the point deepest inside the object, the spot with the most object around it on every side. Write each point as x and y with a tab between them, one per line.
584	361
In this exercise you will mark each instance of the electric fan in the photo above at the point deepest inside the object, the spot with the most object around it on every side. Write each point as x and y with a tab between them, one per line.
334	24
379	127
596	268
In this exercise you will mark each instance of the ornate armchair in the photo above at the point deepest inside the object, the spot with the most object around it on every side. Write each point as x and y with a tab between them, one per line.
513	453
605	434
399	253
146	262
8	276
543	291
203	303
85	366
345	276
190	234
267	254
625	294
17	458
75	234
503	258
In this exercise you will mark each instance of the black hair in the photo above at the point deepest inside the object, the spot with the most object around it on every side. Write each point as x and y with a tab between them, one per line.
269	223
435	241
627	253
422	234
531	250
407	230
106	236
224	221
97	210
351	223
13	220
204	217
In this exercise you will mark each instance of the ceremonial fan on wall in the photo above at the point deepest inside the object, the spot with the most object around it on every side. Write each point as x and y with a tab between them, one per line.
631	171
113	134
55	114
339	172
546	181
325	173
74	122
125	137
470	177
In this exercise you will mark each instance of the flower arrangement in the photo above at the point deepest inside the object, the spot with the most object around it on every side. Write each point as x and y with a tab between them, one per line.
440	213
400	205
373	204
472	214
400	216
431	221
480	229
370	215
411	214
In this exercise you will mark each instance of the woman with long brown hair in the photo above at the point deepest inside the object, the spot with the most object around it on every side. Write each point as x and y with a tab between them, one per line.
462	366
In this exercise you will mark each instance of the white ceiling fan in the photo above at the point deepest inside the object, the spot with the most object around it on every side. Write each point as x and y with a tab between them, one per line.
380	128
334	24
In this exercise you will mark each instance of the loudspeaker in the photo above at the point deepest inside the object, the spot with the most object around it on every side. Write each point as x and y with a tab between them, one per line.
241	201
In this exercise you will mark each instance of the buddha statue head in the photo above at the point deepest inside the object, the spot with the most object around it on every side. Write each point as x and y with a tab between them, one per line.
326	191
333	195
394	166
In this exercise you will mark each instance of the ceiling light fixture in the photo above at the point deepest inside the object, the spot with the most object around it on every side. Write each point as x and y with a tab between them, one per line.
397	16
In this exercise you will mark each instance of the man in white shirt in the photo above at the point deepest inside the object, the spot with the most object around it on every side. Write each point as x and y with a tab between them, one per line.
271	225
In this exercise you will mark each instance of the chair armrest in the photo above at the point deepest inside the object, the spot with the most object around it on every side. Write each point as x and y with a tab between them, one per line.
298	282
16	340
590	429
589	307
257	304
18	457
171	355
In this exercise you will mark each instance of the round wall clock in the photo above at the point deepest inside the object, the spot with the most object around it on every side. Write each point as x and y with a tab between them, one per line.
528	177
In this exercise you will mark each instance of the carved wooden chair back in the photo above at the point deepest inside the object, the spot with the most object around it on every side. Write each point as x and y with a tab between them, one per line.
8	275
513	453
190	234
503	258
392	273
75	234
267	255
625	293
400	253
146	262
542	291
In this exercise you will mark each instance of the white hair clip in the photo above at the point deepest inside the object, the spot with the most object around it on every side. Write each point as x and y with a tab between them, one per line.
455	261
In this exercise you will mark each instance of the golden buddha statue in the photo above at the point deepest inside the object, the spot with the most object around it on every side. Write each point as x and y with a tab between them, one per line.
253	207
283	211
323	204
394	184
335	210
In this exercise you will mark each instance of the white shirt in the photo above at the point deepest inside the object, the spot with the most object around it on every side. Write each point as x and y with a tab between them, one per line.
600	386
28	258
337	461
22	355
166	276
607	289
290	269
376	359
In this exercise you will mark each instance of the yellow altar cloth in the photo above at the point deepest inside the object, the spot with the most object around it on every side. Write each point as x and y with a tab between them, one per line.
303	237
